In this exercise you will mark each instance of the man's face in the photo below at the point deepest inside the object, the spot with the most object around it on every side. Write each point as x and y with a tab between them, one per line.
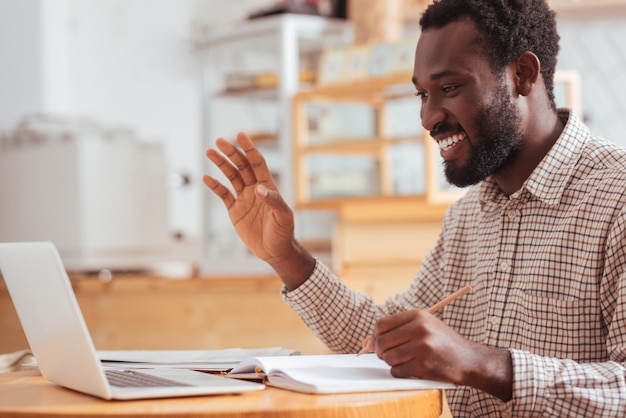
467	108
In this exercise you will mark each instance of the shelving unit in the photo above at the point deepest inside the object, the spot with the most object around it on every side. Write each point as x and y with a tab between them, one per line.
251	72
391	202
363	141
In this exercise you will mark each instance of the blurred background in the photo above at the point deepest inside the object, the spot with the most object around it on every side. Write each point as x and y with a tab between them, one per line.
104	117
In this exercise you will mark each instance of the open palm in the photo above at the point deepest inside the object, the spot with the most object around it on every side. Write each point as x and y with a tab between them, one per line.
265	225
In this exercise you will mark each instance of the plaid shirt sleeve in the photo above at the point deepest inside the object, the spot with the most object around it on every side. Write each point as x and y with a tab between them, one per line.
339	316
550	387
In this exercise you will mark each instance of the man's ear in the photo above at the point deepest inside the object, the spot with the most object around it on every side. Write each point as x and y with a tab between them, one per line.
528	70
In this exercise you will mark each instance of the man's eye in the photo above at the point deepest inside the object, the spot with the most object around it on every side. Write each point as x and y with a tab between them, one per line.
448	89
422	95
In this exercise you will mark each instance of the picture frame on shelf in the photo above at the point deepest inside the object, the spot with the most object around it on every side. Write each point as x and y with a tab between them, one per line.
331	66
357	59
403	56
381	59
360	62
341	176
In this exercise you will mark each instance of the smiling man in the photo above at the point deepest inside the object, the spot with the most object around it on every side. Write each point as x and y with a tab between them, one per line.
539	235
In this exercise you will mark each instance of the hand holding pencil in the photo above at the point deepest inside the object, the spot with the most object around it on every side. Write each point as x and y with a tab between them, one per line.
368	342
417	344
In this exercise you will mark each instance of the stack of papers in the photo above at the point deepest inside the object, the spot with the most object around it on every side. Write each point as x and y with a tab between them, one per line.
204	360
12	361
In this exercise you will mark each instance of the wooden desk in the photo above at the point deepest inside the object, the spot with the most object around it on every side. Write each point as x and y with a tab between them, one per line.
26	394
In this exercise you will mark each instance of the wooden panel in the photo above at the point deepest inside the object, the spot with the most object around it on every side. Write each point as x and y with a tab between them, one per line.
396	209
385	242
154	313
378	247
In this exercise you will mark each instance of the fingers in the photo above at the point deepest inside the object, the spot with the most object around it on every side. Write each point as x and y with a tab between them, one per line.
416	343
242	168
254	161
400	336
219	190
394	324
226	167
368	345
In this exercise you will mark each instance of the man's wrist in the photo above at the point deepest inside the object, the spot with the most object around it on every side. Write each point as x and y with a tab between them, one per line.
296	268
494	374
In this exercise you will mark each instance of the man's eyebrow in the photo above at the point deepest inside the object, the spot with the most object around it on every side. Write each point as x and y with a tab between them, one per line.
436	76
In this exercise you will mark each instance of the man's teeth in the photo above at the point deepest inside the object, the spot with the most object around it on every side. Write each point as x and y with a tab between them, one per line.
449	142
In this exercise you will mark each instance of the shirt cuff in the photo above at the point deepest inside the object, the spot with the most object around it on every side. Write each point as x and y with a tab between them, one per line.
319	276
530	381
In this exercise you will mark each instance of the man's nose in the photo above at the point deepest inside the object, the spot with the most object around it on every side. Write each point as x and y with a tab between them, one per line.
432	114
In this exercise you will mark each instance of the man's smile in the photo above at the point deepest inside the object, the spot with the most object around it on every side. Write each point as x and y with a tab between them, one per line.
449	142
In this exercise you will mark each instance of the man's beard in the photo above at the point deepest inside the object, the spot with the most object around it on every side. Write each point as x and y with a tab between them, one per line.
499	143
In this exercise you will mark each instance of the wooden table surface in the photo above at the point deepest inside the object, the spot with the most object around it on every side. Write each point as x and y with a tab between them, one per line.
27	394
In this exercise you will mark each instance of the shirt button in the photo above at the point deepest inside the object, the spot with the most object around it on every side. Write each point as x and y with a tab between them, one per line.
494	320
504	266
512	214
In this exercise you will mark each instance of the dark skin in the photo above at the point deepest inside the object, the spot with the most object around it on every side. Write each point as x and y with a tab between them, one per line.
456	80
453	80
262	219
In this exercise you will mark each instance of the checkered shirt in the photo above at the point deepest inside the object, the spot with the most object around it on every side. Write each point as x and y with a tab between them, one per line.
548	270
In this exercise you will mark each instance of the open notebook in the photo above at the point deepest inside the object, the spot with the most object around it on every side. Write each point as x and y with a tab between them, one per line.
328	373
58	337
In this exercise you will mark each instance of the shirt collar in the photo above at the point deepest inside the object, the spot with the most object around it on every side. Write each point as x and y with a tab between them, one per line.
548	180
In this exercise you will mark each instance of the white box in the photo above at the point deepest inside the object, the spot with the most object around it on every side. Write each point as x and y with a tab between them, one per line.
102	201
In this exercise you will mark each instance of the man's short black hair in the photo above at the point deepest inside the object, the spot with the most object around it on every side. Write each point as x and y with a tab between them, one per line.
508	29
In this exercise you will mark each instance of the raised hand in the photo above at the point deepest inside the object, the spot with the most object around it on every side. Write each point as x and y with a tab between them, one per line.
262	219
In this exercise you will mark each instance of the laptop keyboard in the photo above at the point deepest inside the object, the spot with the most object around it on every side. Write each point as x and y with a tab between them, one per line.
131	378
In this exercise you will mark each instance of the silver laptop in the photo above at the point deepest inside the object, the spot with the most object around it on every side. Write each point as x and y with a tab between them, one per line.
61	343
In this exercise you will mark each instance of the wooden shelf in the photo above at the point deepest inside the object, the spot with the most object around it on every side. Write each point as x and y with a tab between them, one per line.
394	209
390	85
357	145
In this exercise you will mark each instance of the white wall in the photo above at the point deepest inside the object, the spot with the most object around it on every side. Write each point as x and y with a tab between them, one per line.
596	48
21	59
121	62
